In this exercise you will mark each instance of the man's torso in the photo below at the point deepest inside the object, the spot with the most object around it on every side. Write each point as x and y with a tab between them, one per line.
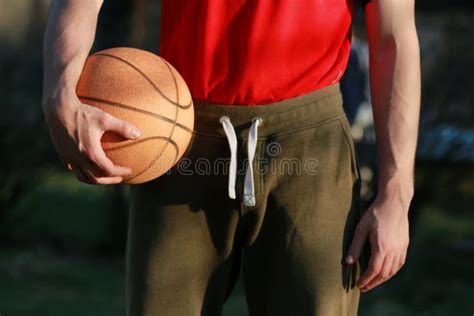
256	52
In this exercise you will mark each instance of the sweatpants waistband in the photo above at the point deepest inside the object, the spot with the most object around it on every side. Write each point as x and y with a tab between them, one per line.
279	117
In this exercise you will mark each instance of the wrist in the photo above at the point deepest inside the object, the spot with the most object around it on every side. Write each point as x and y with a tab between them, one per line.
399	186
60	83
62	96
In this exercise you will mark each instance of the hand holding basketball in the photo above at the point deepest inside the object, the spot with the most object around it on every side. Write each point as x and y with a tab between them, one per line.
95	132
144	89
76	130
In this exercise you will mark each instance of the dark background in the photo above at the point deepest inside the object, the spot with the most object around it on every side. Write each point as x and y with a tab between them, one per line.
62	242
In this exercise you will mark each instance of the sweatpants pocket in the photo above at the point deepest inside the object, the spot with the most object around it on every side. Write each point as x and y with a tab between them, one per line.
346	132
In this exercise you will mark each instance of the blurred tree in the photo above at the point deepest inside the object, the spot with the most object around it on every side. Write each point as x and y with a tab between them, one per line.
447	86
443	5
25	142
28	154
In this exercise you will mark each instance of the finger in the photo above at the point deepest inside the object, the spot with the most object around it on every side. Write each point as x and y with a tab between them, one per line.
91	174
375	265
110	123
88	164
396	264
384	275
108	180
80	175
96	171
99	159
66	164
403	259
357	244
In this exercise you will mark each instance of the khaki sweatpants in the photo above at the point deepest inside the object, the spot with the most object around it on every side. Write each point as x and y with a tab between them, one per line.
188	240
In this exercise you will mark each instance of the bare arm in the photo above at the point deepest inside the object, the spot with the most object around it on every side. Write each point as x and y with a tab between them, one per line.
76	128
69	37
395	89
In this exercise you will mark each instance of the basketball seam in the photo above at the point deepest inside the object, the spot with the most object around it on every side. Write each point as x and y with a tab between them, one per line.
178	106
147	78
168	141
144	140
172	129
131	108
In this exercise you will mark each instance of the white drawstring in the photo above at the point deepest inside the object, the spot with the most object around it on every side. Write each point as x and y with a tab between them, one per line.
232	139
249	186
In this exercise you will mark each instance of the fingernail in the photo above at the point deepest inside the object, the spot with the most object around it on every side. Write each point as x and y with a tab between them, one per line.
135	133
349	260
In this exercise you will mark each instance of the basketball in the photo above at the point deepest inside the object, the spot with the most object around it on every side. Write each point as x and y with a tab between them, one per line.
144	89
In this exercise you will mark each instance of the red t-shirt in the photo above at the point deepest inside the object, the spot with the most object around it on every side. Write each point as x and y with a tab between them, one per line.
251	52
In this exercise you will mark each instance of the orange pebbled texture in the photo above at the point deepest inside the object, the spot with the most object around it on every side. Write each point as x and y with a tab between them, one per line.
141	88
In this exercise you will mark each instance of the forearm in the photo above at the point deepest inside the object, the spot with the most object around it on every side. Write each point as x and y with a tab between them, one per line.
68	40
395	90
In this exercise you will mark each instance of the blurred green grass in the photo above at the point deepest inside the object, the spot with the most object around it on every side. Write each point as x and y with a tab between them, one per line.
60	208
63	212
37	280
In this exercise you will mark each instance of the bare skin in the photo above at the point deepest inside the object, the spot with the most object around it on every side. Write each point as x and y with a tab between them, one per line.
76	128
395	89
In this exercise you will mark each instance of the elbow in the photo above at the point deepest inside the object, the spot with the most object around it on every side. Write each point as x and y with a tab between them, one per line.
396	43
96	3
93	4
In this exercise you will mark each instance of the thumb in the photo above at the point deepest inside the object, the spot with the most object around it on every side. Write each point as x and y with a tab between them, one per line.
125	129
357	244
